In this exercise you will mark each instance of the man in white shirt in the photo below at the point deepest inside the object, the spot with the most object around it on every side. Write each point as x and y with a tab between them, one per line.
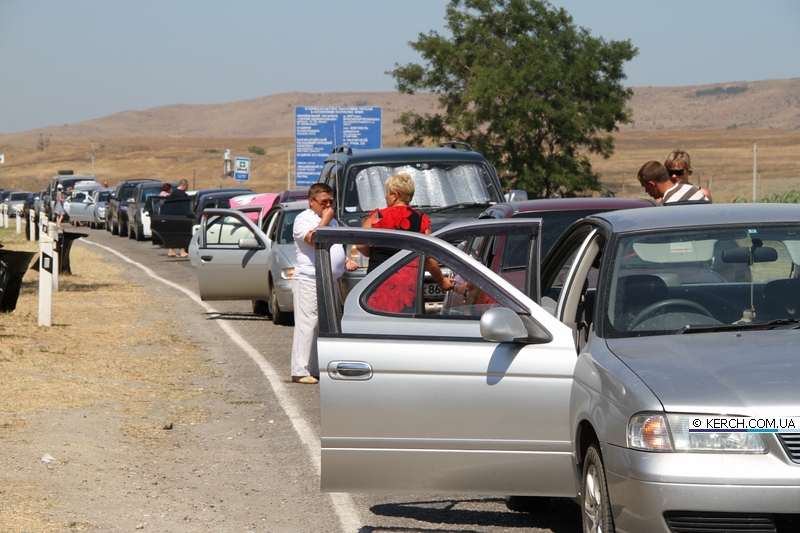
653	176
305	364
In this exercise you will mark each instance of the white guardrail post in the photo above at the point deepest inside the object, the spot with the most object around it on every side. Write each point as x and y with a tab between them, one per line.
46	270
52	232
17	216
4	211
31	225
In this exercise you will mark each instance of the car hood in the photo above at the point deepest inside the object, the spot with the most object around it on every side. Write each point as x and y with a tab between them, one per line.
755	371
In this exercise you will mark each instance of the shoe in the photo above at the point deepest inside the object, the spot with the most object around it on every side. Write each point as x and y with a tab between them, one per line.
307	380
171	254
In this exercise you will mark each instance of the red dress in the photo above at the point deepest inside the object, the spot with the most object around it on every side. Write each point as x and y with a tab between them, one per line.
397	294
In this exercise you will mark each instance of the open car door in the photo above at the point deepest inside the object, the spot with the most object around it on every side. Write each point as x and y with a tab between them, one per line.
233	256
171	221
468	397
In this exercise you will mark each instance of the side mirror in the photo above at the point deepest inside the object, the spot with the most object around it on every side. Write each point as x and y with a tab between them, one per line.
248	244
501	324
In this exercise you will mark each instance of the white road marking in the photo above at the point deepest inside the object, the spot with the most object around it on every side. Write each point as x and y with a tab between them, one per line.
342	502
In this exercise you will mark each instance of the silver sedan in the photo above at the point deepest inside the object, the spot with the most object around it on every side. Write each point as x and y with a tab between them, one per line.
238	260
651	374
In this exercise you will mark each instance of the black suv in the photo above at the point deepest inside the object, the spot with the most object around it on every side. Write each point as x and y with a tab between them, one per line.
117	211
452	182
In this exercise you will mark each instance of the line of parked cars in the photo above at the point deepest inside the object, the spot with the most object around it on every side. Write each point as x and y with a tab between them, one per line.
639	359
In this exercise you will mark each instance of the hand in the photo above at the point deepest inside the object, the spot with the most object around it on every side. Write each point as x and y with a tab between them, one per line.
327	215
446	284
350	265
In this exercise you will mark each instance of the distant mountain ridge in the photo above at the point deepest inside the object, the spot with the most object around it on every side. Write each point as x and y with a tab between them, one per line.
772	104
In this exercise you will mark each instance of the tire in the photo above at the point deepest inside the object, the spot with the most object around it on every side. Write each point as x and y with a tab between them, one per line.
139	234
123	230
279	318
527	504
260	307
131	233
595	504
114	229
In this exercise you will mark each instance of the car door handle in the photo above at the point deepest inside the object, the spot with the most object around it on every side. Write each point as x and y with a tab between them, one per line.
349	370
206	257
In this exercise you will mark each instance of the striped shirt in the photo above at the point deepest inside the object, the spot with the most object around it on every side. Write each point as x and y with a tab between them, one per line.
683	192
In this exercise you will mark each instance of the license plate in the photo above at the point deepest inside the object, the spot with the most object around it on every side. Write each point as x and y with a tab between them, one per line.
432	290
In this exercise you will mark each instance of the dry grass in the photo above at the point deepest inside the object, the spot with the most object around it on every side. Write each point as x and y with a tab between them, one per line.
725	156
101	350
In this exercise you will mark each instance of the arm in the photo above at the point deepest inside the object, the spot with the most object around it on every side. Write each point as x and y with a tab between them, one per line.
365	249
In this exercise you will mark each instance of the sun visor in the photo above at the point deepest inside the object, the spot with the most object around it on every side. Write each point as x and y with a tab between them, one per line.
793	247
675	252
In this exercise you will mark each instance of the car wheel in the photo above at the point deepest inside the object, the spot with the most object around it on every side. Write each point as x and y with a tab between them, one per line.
131	232
260	307
527	504
139	233
114	229
596	508
123	230
279	318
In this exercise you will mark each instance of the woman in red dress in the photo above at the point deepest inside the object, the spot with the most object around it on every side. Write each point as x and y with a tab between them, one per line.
400	216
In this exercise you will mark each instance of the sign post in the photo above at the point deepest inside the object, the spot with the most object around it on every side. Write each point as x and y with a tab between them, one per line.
31	225
241	169
52	232
17	216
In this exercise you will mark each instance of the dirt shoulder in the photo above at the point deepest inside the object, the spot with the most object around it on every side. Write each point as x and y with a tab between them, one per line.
151	425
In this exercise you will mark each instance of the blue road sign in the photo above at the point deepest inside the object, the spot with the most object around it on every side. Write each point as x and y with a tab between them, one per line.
241	169
319	129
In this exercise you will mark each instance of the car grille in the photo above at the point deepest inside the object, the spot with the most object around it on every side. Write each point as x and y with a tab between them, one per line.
791	443
693	522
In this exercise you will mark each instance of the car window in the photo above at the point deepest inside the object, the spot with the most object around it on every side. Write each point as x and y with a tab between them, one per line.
180	206
436	185
103	196
405	291
662	282
227	230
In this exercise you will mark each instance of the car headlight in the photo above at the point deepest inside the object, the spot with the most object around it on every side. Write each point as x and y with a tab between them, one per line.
287	273
671	433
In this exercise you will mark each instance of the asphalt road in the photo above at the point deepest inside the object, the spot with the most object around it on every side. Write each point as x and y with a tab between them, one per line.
260	369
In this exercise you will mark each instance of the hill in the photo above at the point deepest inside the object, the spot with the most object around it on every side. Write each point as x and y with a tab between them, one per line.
773	104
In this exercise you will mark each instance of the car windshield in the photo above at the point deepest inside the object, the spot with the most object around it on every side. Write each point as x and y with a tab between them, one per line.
437	185
127	191
285	235
19	196
673	281
102	196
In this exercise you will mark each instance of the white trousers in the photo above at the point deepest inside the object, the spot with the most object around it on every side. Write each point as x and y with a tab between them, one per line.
306	328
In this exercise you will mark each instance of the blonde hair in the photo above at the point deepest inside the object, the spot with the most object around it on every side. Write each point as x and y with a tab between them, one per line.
679	156
402	185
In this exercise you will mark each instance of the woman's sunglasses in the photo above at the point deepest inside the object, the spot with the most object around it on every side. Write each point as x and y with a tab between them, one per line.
677	172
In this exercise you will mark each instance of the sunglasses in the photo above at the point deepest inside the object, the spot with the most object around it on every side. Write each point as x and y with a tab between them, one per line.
677	172
323	202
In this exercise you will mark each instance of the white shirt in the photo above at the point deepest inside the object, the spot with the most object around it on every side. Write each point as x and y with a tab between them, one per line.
683	192
305	253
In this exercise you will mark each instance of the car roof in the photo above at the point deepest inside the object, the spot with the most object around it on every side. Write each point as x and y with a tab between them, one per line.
399	155
294	206
697	215
570	204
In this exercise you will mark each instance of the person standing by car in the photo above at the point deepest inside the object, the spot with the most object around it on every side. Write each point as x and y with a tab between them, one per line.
655	180
179	192
60	212
305	366
679	168
399	215
165	190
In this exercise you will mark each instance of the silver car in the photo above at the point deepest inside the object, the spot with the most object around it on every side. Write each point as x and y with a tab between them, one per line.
99	207
652	374
237	260
80	206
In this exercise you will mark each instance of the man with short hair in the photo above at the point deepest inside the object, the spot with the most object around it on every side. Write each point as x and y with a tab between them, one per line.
653	176
305	364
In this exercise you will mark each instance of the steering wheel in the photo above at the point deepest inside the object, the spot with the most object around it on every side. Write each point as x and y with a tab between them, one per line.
651	309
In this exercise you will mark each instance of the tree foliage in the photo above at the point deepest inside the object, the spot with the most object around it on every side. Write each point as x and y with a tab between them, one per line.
521	83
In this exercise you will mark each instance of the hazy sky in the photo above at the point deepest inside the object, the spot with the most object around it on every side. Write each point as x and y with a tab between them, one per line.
65	61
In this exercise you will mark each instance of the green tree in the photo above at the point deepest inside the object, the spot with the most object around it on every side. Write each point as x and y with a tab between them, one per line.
521	83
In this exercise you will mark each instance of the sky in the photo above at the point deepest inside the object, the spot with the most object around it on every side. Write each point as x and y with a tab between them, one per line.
66	61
